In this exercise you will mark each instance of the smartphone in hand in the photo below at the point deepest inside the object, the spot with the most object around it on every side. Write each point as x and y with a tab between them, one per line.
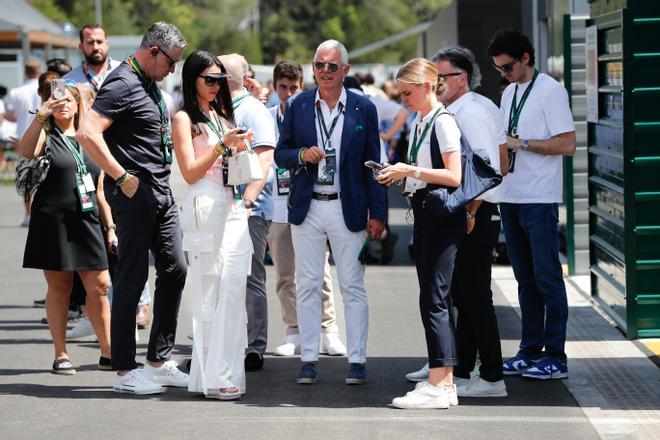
57	88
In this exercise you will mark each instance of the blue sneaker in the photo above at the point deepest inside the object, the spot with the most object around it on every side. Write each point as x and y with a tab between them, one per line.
357	375
547	368
307	374
517	364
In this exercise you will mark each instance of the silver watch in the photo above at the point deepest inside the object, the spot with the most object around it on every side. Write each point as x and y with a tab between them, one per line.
525	144
249	204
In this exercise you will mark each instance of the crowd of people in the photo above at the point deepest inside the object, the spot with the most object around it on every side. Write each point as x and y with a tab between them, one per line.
325	156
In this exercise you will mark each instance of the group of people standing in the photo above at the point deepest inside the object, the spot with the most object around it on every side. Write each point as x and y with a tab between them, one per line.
113	160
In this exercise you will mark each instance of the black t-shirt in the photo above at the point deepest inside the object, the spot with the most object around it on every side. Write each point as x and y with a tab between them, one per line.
134	138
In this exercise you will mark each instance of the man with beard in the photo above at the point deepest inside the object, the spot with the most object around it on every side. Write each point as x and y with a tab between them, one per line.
96	63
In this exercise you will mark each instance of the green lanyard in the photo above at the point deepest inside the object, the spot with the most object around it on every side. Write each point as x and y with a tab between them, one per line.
324	129
220	133
154	91
516	109
76	151
416	145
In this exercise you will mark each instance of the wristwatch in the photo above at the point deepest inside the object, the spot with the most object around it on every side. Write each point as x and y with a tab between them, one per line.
525	144
469	215
249	204
418	173
111	226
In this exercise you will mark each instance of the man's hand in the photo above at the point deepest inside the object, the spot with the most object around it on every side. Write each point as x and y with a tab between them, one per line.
130	186
513	143
313	155
375	228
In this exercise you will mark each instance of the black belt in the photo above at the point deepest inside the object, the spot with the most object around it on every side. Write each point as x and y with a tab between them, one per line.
325	197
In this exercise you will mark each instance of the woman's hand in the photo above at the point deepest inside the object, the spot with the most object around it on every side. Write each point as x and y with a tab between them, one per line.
51	106
394	173
237	141
111	241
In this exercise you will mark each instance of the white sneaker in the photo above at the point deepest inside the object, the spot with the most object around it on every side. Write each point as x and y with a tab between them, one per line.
482	388
421	375
135	382
167	375
332	345
81	330
424	396
452	396
290	347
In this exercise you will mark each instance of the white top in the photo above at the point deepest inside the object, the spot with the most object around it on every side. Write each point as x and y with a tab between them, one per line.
447	132
496	116
537	178
335	138
387	111
280	208
481	131
249	112
78	74
22	100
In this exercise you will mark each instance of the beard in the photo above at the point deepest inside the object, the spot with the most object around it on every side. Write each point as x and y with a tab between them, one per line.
96	59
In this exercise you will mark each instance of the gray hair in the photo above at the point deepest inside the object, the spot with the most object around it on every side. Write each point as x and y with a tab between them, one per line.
163	35
462	59
336	45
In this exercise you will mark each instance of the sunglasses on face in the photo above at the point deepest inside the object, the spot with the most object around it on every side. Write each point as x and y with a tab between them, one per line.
172	62
444	76
320	65
508	67
210	81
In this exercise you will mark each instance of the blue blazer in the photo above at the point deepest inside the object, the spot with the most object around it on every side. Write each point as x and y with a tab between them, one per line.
361	196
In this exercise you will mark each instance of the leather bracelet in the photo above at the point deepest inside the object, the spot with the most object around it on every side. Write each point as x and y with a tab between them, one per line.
110	226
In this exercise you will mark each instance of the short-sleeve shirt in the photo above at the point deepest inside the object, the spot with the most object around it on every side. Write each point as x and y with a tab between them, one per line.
249	112
537	178
134	138
22	100
447	132
78	74
280	208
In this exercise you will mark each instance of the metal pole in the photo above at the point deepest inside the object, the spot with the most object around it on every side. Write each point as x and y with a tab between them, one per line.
99	13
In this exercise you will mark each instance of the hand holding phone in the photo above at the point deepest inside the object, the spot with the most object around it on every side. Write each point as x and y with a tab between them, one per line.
57	88
375	166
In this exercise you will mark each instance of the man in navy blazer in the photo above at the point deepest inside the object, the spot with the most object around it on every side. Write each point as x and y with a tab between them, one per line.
326	136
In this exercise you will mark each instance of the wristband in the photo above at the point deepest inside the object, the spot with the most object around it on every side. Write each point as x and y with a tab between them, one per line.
220	148
123	179
301	153
41	117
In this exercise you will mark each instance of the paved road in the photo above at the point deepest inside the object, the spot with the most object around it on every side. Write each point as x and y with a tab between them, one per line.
36	404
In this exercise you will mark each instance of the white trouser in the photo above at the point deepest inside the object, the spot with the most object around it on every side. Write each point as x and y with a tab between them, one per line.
325	221
219	250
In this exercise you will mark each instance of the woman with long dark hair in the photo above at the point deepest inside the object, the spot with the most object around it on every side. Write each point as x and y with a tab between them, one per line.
215	228
65	231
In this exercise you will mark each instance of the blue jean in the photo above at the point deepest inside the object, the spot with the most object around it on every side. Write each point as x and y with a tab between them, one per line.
533	247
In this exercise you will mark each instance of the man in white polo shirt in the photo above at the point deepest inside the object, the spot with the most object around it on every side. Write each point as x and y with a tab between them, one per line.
540	130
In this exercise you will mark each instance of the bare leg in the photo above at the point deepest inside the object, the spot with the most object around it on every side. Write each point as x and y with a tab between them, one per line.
97	283
441	376
57	307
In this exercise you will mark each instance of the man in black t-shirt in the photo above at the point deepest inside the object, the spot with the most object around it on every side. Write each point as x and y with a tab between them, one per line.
128	134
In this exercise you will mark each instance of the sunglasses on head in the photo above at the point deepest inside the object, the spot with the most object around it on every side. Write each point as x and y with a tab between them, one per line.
508	67
172	62
210	81
320	65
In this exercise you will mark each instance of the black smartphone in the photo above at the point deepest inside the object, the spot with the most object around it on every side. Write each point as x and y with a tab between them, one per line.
375	166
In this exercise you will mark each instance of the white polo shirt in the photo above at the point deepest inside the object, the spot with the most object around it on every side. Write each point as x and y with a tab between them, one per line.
22	100
481	131
335	138
537	178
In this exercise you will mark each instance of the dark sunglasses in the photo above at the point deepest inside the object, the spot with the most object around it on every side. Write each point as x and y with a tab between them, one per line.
172	62
508	67
210	81
443	76
320	65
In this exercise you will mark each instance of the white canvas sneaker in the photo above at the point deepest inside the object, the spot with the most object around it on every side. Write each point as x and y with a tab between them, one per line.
81	330
290	347
482	388
424	396
135	382
167	375
332	345
450	389
419	375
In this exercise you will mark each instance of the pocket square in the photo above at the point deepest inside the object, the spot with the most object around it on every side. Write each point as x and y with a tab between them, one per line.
359	127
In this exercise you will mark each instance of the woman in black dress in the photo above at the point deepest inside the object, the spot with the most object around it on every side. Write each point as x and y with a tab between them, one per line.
65	233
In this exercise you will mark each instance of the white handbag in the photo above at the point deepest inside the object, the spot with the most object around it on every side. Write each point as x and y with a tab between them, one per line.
244	167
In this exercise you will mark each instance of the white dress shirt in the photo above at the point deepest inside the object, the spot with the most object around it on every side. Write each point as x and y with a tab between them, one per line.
335	138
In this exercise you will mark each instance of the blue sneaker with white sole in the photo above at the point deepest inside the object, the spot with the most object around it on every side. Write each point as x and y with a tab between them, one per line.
307	374
547	368
517	364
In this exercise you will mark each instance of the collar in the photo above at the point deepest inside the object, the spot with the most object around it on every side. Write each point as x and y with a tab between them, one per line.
237	100
456	106
342	97
429	115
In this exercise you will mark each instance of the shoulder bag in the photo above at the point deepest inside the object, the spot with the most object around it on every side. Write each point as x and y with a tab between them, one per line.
30	173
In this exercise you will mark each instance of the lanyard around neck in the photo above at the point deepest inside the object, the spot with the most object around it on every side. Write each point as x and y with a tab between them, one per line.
214	127
76	152
417	144
324	129
516	109
91	75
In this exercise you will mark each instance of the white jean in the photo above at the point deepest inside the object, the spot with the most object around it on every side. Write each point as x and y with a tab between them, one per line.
325	221
219	249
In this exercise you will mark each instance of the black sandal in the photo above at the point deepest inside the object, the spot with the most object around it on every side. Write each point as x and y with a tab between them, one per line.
63	366
105	363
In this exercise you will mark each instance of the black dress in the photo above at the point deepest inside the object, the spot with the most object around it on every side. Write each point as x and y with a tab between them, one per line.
61	236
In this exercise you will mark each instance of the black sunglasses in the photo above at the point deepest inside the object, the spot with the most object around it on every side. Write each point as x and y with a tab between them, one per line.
210	81
508	67
443	76
320	65
172	62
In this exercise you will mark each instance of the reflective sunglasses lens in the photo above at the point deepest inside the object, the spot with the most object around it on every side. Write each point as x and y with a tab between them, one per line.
210	81
319	65
332	67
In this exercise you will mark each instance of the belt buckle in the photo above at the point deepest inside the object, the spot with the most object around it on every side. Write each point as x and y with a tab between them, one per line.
323	197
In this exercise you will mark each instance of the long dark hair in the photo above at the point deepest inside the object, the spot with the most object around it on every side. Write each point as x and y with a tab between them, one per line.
195	64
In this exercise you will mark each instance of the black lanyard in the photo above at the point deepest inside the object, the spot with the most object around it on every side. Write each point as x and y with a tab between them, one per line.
154	91
516	109
324	129
416	145
279	120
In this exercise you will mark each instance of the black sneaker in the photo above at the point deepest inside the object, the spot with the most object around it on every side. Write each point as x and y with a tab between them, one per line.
254	361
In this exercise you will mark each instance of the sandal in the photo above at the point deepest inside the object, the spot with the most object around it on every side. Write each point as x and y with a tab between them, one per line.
63	366
105	363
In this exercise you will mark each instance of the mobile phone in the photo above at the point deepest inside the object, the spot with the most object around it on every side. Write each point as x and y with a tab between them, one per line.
57	88
375	166
242	130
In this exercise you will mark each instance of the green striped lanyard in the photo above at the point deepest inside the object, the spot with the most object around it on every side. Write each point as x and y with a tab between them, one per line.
220	133
516	109
416	145
76	152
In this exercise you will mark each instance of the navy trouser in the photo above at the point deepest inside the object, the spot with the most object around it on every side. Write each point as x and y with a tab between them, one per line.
435	242
148	220
533	246
476	326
